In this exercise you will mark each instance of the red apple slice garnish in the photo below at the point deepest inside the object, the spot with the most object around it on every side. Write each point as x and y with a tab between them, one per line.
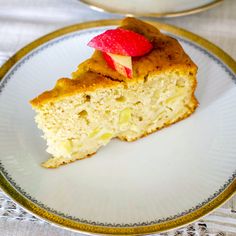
122	64
121	42
109	60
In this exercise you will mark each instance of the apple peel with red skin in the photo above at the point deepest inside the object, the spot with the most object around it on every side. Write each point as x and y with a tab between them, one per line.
118	46
122	64
121	42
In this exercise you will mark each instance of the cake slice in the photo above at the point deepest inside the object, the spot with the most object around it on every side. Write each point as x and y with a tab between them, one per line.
81	114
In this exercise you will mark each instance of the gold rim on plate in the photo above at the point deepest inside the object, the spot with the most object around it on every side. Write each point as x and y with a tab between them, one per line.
99	7
93	229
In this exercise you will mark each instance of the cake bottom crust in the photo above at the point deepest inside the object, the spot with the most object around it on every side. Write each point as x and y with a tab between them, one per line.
55	162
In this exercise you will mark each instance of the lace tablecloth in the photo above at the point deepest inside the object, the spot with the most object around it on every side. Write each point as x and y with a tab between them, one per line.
25	20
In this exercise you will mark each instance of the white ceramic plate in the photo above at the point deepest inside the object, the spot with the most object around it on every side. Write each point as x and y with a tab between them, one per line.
165	180
152	8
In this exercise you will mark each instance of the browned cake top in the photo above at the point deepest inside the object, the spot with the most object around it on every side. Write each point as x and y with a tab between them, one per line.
64	87
166	54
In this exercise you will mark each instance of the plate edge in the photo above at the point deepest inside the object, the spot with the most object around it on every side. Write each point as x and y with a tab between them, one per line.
157	15
67	223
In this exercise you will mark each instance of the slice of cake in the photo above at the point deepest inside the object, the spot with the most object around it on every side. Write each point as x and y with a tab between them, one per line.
124	95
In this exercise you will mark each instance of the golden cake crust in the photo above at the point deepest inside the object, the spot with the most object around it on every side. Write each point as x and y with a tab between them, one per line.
94	73
64	87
